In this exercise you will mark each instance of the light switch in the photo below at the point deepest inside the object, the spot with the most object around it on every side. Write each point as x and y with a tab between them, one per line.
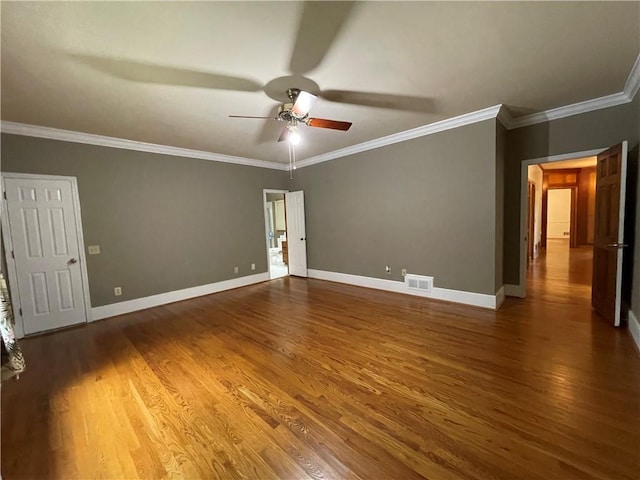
94	249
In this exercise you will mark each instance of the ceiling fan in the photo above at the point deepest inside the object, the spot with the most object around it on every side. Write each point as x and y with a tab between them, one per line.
296	112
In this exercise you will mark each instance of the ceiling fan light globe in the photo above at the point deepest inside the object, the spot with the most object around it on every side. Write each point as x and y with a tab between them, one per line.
303	103
294	138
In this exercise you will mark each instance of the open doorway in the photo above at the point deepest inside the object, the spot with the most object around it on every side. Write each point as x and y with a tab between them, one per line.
560	206
601	225
561	216
276	233
564	208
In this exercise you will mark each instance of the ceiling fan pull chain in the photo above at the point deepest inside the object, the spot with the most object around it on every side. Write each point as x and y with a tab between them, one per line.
290	160
293	154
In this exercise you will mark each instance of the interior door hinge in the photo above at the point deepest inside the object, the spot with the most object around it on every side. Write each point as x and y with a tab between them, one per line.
4	194
13	255
20	312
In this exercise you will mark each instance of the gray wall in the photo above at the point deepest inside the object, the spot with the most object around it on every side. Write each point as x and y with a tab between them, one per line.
427	204
632	263
163	223
501	145
601	128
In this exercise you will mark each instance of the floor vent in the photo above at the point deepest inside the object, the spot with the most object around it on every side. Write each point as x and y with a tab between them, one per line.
418	282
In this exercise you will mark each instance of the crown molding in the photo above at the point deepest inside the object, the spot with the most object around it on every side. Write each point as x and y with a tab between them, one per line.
505	118
627	95
448	124
633	81
570	110
113	142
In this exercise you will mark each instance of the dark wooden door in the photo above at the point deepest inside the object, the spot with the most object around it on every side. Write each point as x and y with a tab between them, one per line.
609	233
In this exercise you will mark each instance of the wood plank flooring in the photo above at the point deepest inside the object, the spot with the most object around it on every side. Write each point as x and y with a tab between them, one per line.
300	378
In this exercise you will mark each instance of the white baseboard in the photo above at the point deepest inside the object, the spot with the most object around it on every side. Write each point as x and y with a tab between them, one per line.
128	306
456	296
515	291
500	295
634	328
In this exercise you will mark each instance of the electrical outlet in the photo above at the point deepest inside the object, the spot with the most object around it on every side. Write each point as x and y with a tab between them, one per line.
235	269
253	266
404	272
93	249
117	291
387	269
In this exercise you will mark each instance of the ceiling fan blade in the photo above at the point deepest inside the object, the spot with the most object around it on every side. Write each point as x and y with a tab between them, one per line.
151	73
381	100
284	135
324	123
269	131
304	102
320	24
251	116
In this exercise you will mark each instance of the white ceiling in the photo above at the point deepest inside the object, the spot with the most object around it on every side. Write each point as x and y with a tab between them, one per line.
160	72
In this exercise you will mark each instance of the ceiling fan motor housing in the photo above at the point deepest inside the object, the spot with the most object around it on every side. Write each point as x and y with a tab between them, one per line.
285	113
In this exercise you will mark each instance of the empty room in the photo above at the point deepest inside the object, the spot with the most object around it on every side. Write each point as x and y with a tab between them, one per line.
324	240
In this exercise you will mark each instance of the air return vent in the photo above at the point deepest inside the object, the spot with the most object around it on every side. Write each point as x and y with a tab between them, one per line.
418	282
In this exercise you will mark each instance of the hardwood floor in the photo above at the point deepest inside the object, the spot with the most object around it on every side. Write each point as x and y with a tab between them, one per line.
303	378
562	273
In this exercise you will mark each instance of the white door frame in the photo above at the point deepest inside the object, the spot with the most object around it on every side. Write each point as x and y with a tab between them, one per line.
8	247
266	224
520	290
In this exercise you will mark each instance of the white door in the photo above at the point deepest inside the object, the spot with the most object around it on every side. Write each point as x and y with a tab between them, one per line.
296	233
46	252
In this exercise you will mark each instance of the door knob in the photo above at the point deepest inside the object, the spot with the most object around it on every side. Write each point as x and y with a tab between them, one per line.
73	260
617	245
